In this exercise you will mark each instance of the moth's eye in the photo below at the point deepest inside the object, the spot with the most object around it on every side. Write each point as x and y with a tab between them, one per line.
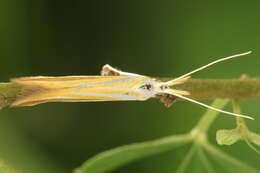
146	86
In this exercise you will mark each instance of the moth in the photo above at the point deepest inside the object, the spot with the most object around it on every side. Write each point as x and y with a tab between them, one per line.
112	85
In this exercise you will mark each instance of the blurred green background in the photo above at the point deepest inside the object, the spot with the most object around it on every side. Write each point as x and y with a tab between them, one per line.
155	38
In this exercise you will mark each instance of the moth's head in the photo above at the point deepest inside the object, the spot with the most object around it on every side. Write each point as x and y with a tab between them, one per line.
149	87
152	87
161	90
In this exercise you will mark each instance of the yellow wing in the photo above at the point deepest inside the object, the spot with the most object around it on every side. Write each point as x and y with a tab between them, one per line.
42	89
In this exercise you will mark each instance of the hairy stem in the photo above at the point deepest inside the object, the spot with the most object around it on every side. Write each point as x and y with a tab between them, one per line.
222	88
8	93
199	89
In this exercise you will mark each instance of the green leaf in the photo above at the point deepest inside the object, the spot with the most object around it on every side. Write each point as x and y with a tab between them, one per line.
120	156
210	115
228	137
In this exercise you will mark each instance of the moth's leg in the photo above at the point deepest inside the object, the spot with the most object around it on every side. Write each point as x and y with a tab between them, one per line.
168	99
107	70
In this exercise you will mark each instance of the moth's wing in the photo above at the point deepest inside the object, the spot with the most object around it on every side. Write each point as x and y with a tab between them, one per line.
36	90
108	70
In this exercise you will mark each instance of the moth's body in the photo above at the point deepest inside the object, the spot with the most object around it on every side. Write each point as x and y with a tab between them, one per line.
112	85
87	88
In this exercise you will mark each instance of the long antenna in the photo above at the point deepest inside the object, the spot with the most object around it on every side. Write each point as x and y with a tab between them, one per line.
210	64
210	107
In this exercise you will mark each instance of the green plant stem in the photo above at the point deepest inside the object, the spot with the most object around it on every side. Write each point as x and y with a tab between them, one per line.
114	158
222	88
8	93
185	162
236	109
249	137
254	138
199	89
206	163
209	117
228	159
111	159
